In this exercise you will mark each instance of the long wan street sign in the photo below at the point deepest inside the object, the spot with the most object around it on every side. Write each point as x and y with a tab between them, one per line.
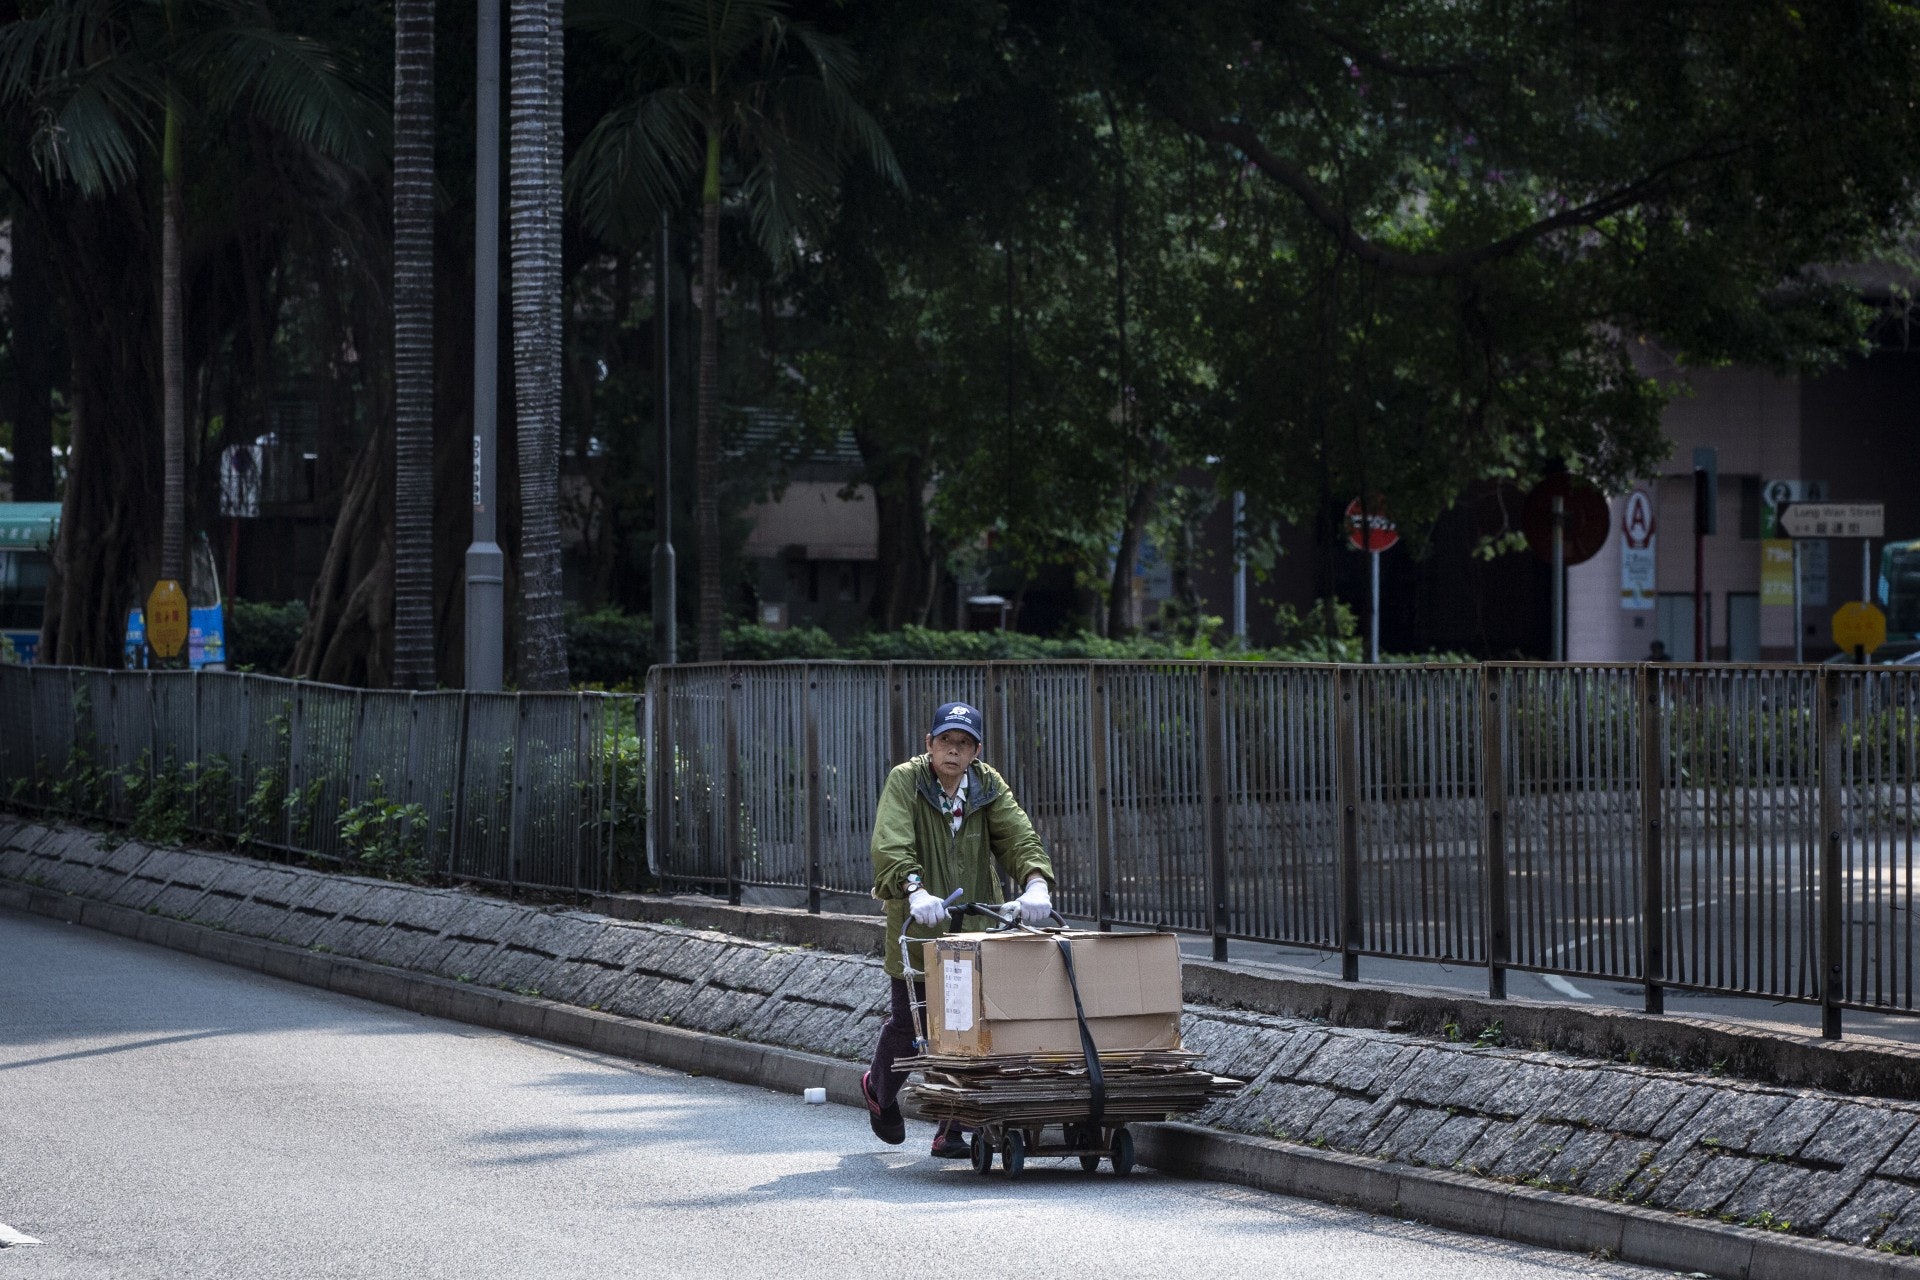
1834	520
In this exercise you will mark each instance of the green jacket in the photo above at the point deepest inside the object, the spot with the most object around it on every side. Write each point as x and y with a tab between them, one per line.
910	833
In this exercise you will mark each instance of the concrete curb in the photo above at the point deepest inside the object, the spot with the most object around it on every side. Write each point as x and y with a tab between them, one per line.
1522	1214
1778	1058
1624	1233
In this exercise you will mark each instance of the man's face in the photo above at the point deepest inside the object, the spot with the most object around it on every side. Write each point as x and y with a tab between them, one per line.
952	754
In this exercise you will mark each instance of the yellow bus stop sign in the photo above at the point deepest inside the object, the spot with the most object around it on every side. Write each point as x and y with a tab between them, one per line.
167	618
1858	625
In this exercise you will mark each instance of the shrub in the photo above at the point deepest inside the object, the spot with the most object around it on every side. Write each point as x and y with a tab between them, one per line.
261	636
608	648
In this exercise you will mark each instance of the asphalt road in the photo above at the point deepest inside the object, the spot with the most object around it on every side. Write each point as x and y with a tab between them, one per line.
166	1116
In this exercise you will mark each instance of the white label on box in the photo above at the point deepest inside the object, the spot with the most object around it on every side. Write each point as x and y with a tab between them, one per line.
956	994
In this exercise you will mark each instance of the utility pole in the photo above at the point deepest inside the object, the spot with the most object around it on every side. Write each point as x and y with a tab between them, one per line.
486	563
1240	567
1706	483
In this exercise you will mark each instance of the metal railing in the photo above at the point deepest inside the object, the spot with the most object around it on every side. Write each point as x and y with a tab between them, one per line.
529	790
1740	830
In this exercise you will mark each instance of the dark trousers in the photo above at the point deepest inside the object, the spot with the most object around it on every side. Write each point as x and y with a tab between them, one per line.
896	1042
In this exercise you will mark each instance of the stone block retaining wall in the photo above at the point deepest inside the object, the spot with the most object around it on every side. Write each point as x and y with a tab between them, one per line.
1814	1162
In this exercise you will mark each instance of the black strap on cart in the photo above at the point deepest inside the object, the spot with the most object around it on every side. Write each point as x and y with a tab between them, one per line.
1095	1080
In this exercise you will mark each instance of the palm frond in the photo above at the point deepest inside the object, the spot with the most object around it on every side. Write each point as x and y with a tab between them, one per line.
91	101
296	87
91	138
638	159
834	57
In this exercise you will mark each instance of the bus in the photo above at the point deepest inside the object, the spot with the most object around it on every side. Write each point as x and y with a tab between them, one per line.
1900	593
26	557
27	531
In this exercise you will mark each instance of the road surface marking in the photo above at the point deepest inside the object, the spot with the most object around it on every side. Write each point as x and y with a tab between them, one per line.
9	1237
1564	987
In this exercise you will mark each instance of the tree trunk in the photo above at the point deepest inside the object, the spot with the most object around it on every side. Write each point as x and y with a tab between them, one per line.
348	636
907	569
706	447
412	539
110	512
534	232
32	360
1122	617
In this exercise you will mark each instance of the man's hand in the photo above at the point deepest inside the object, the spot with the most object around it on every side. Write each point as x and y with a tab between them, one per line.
926	909
1035	905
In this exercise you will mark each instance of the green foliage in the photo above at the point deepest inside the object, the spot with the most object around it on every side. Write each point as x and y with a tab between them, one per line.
607	648
617	647
737	96
261	636
162	805
386	838
756	644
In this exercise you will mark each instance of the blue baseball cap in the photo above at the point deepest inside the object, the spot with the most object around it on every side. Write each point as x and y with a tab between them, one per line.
957	715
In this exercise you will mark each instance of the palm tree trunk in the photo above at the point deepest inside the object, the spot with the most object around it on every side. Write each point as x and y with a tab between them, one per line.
533	213
706	452
173	373
413	653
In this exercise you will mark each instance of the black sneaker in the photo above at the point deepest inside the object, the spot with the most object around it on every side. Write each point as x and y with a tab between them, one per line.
888	1124
952	1144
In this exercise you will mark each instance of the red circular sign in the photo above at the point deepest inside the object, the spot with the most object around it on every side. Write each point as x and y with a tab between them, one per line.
1636	520
1585	518
1371	530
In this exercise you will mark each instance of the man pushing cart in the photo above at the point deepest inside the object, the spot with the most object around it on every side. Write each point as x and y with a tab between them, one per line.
1009	1051
946	820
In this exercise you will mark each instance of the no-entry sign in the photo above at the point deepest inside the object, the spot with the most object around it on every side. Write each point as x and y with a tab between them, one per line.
1370	530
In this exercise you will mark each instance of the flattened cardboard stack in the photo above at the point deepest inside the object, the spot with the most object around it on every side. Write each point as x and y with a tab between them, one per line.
1004	1044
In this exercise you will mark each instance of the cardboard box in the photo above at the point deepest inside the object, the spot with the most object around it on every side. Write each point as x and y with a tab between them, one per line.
1007	993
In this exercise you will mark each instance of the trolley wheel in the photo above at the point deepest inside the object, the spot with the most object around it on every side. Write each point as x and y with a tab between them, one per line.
1014	1158
982	1152
1089	1163
1121	1153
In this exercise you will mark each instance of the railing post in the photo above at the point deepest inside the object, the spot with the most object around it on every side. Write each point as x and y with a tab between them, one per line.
356	756
997	731
457	840
589	789
1832	883
1653	937
410	792
1103	869
898	742
193	685
730	826
296	758
1346	801
516	798
1493	799
1213	791
659	763
811	705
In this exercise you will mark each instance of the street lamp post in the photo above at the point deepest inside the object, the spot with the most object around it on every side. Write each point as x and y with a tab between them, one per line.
486	563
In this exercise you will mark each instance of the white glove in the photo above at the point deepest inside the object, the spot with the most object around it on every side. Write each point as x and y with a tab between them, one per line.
926	909
1035	905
